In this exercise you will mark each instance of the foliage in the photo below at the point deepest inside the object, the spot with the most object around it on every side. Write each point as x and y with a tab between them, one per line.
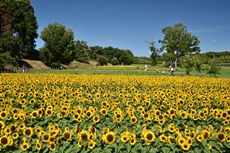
18	20
102	60
187	63
142	60
113	113
178	41
81	53
198	63
10	44
6	58
59	44
114	61
213	68
155	53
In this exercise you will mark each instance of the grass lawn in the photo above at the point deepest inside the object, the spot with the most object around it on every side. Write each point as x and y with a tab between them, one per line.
133	70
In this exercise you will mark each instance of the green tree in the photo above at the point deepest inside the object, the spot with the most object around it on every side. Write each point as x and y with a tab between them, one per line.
59	44
125	57
213	68
187	63
18	19
10	44
6	58
81	53
155	53
102	60
198	63
178	41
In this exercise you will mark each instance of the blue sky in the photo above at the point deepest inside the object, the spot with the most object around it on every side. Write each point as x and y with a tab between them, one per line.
132	24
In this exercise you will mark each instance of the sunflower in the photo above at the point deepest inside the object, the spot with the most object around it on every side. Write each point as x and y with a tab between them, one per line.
148	136
206	134
38	129
109	137
7	130
89	113
181	140
46	137
3	114
28	131
15	135
200	137
52	146
170	139
96	119
91	144
83	135
163	138
104	111
228	139
4	140
67	135
2	125
185	145
124	137
133	141
34	114
133	119
76	116
171	127
38	145
49	112
221	137
79	143
25	146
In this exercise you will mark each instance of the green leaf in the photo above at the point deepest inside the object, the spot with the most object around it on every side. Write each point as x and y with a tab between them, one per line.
120	147
97	150
128	147
144	150
108	150
113	146
138	146
165	149
227	145
153	150
204	143
72	148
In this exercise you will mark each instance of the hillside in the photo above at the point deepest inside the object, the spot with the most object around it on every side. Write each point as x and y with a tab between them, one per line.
34	64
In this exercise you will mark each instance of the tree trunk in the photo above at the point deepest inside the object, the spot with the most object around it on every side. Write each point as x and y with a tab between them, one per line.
176	62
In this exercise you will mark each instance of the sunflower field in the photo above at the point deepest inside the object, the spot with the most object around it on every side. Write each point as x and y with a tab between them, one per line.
113	113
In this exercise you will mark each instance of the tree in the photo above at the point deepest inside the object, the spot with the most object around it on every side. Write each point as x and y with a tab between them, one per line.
102	60
213	68
6	58
17	18
155	53
179	41
10	44
187	62
81	51
125	57
59	45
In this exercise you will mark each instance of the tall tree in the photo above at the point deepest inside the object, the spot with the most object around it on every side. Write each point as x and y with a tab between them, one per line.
179	41
18	20
25	26
59	45
155	53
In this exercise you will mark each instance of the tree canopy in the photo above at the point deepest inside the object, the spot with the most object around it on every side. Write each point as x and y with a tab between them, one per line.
178	41
59	45
18	27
